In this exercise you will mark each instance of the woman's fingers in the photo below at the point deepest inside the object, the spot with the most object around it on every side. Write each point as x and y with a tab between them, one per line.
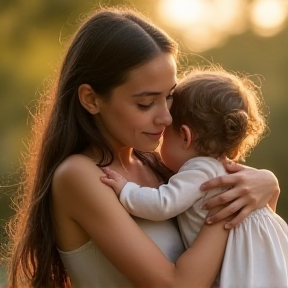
244	173
237	210
221	199
239	217
231	167
247	190
220	181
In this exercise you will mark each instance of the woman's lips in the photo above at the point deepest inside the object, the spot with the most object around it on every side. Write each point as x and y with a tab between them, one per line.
154	136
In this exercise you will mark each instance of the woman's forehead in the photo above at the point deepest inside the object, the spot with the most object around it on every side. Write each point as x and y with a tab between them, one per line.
154	76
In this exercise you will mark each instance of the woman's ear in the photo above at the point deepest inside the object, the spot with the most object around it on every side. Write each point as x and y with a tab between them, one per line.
88	98
186	135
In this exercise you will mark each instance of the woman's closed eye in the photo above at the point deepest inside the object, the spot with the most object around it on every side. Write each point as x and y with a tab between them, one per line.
146	106
149	105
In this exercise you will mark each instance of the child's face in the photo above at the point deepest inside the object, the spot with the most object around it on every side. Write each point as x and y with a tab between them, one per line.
171	150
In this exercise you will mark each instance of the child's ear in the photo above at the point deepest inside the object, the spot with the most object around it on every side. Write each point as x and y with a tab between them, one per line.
186	135
88	98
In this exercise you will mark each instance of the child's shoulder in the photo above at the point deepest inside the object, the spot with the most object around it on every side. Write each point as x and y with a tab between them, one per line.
207	164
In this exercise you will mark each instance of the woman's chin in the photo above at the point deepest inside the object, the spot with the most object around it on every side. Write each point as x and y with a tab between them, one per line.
148	148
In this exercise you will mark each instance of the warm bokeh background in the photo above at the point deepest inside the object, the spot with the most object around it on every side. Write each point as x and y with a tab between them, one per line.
243	35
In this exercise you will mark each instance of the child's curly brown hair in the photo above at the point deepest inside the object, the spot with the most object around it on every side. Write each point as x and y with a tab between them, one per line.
225	112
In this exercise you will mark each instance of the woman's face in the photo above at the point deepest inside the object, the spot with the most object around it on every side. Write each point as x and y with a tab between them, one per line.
138	110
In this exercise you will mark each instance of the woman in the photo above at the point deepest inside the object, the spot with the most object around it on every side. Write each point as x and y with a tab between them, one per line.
110	108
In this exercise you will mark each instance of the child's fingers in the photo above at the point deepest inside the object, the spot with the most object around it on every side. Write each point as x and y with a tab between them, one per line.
111	174
107	181
106	170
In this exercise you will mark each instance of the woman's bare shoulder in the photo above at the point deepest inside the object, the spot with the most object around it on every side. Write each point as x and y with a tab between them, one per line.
74	164
76	171
76	183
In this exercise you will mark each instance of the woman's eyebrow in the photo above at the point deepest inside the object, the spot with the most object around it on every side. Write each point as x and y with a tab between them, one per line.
150	93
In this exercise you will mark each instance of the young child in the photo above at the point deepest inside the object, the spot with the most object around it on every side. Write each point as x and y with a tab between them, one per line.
215	114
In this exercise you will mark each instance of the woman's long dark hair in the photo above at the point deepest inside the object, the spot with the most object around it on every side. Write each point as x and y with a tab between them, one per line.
106	47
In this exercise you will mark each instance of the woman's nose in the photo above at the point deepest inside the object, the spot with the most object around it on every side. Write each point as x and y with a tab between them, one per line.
163	117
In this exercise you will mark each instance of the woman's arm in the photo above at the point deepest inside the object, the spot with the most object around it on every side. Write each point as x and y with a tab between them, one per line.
95	207
251	189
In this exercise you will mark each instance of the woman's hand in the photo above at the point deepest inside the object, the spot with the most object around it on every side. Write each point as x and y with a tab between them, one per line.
251	189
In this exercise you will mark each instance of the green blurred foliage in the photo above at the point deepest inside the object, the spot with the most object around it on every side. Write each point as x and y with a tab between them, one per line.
33	37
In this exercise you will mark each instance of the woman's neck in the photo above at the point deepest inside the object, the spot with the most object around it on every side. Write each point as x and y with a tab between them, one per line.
124	158
127	164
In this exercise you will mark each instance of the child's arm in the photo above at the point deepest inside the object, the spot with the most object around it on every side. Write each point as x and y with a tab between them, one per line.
168	200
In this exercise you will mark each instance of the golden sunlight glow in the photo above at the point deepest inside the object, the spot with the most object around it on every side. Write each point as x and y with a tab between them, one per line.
204	24
227	15
181	13
268	16
201	39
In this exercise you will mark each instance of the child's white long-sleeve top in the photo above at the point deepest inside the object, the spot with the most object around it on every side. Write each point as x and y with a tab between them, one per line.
181	195
257	250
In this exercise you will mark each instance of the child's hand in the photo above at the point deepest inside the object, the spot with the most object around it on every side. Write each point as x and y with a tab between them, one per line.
114	180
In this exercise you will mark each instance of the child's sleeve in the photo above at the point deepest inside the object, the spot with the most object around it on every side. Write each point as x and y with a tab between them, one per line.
169	200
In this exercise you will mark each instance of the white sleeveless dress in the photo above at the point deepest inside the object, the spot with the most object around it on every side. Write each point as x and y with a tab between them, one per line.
89	268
